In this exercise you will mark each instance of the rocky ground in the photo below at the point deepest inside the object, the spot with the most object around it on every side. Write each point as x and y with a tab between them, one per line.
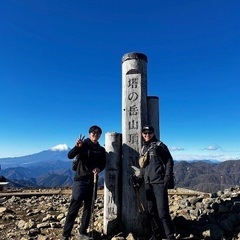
41	217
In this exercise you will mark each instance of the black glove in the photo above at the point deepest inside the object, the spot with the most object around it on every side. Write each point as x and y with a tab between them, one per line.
166	181
137	181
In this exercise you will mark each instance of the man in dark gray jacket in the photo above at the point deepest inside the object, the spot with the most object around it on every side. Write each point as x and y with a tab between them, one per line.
156	175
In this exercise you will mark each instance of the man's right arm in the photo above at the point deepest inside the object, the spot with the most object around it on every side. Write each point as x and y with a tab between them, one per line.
77	148
73	152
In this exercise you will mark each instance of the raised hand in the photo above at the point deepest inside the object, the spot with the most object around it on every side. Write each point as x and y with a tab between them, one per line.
79	141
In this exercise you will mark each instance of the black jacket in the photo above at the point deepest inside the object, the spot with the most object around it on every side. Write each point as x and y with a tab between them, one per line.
160	161
89	156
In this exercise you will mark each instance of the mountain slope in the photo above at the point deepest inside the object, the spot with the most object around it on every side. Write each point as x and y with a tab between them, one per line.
41	157
207	177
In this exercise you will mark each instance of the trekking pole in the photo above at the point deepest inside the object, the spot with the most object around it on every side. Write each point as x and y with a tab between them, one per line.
95	181
139	201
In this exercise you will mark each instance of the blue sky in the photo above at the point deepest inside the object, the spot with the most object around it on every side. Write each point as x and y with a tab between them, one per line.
60	72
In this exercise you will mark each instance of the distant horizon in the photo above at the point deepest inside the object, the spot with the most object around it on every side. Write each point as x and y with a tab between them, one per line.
64	147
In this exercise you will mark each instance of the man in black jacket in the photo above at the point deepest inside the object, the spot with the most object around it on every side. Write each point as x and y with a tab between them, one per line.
91	159
156	175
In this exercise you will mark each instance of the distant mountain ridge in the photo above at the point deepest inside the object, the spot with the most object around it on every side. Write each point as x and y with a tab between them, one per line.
49	168
52	168
58	152
207	177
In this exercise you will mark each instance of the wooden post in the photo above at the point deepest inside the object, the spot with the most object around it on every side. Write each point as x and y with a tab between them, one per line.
112	208
153	114
134	116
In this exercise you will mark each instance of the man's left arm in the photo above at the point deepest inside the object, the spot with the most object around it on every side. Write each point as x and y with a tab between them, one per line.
166	158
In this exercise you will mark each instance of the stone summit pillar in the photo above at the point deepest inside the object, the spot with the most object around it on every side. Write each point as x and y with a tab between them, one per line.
112	206
134	116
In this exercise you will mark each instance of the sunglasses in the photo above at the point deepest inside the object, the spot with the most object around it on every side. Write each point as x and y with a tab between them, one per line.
149	133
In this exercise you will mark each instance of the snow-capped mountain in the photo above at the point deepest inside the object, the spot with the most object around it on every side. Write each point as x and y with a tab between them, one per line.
56	153
60	147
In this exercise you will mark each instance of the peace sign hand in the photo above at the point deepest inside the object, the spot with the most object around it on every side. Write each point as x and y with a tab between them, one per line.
79	141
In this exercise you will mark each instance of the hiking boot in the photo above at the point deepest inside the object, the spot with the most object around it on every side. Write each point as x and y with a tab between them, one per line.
83	237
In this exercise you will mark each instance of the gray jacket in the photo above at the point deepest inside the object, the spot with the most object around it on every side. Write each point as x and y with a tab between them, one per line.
160	162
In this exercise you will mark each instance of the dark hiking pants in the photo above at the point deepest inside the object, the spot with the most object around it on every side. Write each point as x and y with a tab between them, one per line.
82	193
158	208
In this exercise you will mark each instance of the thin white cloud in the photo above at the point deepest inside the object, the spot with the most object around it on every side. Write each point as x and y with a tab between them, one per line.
218	157
177	149
212	148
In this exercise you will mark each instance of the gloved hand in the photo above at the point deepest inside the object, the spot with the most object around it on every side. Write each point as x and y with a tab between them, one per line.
166	181
137	181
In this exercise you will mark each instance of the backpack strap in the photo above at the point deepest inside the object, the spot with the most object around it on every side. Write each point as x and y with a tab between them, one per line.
141	153
158	143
